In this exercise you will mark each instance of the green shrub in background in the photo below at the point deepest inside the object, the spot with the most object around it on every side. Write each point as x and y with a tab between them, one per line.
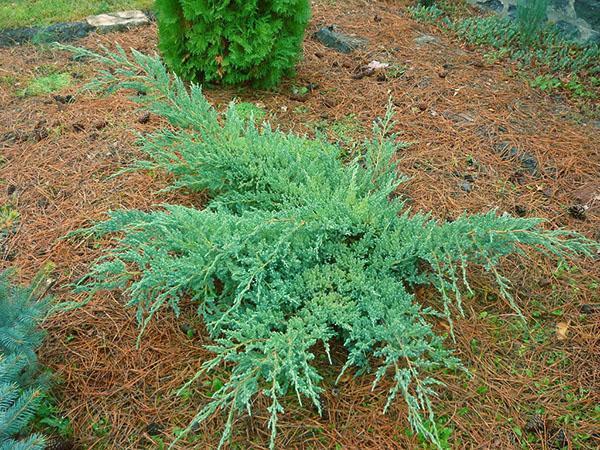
21	387
296	250
232	41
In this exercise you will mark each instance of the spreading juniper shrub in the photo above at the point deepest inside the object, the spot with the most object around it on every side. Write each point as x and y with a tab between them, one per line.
296	249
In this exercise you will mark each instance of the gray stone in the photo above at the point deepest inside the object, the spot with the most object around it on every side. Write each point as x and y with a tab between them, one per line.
582	16
329	37
60	32
526	159
466	186
118	20
425	39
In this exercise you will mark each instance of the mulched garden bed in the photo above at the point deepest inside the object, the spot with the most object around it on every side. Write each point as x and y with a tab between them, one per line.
462	115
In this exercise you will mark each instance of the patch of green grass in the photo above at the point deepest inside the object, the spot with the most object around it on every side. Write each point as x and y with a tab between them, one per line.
46	85
247	110
23	13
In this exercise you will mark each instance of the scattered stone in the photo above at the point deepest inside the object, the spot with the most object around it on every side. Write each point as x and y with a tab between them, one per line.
578	211
154	429
425	39
535	424
117	21
343	43
526	159
520	211
466	186
61	32
64	99
144	118
589	309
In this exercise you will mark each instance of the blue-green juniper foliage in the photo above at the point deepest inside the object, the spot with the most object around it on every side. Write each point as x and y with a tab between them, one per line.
20	386
295	249
232	41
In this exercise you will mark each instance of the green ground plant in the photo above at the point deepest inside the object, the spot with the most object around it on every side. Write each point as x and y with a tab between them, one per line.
21	386
23	13
529	41
232	42
296	251
46	84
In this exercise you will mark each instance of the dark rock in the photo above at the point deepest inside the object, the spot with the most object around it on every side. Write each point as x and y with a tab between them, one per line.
526	159
43	203
520	211
11	189
568	30
154	429
589	10
490	5
61	32
578	211
339	41
144	118
589	309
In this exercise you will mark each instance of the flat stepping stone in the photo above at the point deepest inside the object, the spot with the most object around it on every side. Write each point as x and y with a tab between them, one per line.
118	20
343	43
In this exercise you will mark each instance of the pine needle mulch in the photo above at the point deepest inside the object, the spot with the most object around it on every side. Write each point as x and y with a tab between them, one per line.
57	159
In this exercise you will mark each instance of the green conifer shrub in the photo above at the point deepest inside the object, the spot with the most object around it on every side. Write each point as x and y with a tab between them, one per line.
296	249
232	41
21	387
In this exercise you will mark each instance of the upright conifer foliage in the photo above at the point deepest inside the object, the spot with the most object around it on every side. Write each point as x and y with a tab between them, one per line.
20	388
232	41
296	249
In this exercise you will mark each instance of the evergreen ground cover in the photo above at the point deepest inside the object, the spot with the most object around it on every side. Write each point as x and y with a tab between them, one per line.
296	250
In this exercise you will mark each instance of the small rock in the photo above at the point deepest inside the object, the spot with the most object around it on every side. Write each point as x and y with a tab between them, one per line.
544	282
589	309
11	189
43	203
329	37
425	39
578	211
117	21
154	429
466	186
508	152
443	74
520	210
144	118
